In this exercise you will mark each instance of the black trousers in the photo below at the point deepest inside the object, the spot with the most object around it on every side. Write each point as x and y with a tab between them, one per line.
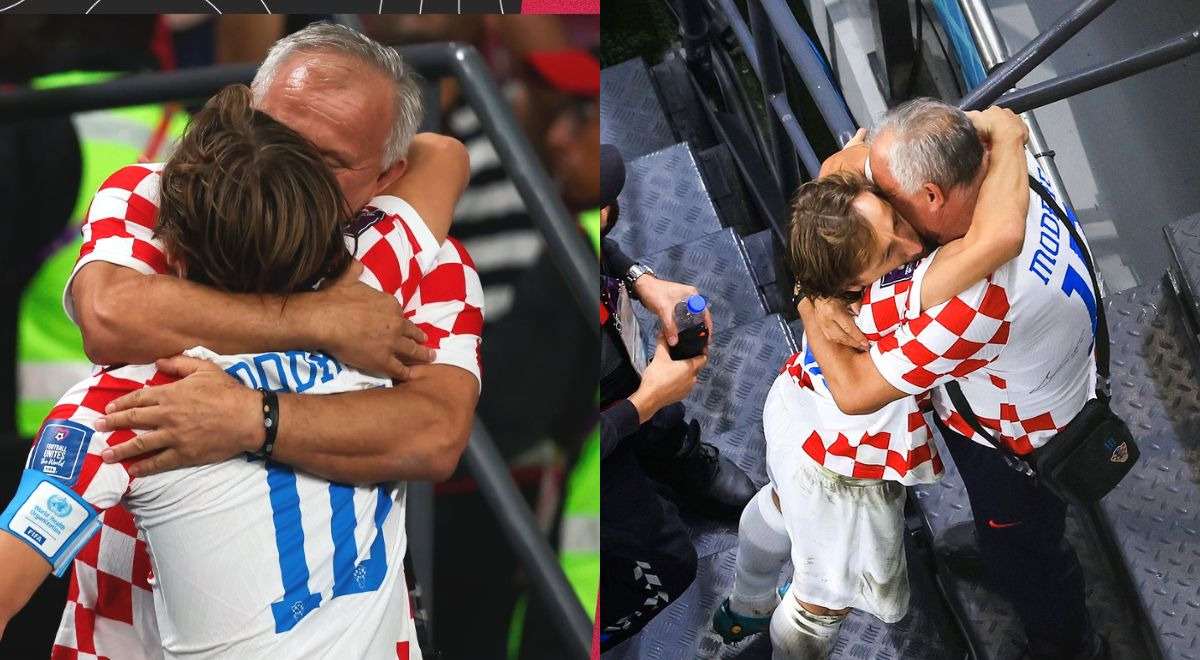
1020	525
646	557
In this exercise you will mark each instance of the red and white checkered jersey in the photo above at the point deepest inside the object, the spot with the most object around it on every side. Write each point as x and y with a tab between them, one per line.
1020	343
240	558
894	443
438	285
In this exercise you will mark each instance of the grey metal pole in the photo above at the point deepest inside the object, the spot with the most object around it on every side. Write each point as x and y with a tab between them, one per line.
516	520
1015	67
993	51
121	92
771	79
820	87
568	245
779	102
1059	88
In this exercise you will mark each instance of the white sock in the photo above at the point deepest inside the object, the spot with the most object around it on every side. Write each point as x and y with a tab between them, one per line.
763	549
799	634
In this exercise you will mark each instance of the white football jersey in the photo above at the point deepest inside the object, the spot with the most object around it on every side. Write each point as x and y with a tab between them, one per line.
1020	343
248	558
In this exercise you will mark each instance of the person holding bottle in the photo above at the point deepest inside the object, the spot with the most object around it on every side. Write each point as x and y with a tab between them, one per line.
647	559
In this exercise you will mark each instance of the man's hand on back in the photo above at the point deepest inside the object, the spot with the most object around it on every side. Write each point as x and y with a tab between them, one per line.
366	328
206	417
832	319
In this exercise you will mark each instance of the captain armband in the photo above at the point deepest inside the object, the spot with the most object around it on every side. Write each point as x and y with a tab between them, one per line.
46	513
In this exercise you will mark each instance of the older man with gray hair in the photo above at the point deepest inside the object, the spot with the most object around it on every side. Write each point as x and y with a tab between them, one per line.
359	105
1020	344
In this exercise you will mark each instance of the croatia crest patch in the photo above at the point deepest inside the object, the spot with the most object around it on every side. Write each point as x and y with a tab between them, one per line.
59	450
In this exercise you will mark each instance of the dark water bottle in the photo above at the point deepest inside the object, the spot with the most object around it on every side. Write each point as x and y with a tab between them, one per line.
693	333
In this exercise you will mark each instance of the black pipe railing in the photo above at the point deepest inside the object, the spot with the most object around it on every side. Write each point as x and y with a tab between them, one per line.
770	73
775	95
566	244
1056	89
820	87
1034	53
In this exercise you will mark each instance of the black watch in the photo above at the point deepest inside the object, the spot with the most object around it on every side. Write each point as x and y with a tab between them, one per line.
635	271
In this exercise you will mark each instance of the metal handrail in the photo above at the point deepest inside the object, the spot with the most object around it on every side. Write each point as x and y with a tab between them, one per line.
563	607
1015	67
776	98
992	52
566	244
1056	89
819	85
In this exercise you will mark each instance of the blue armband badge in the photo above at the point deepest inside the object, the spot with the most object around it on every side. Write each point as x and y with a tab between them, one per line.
60	449
51	518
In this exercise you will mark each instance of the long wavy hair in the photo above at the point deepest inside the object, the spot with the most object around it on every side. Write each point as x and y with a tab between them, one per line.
248	205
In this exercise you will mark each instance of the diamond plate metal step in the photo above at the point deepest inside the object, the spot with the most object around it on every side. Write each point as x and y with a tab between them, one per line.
725	188
683	630
682	105
742	364
992	624
664	203
770	271
718	266
1183	242
631	115
1154	514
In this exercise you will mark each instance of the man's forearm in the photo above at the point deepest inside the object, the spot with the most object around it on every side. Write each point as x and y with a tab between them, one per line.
415	430
854	382
127	317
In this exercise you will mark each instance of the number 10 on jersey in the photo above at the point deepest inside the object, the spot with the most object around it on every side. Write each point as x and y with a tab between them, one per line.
349	577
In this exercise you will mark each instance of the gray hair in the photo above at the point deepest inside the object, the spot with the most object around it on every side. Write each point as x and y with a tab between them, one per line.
932	142
330	37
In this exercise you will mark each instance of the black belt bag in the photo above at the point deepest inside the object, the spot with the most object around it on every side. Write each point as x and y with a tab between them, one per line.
1089	456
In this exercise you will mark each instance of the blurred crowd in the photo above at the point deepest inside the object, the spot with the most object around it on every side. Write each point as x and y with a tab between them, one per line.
538	355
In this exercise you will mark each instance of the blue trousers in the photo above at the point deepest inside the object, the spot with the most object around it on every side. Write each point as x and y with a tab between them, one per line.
1020	525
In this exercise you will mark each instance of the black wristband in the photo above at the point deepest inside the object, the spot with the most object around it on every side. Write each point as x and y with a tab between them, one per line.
270	408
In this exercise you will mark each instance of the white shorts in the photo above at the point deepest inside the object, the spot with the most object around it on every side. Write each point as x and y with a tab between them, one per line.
847	534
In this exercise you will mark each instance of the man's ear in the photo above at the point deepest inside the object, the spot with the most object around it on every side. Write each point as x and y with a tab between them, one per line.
390	175
934	196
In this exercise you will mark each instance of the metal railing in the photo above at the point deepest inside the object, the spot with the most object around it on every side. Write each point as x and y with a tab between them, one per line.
1056	89
1014	68
1007	71
566	244
771	23
993	53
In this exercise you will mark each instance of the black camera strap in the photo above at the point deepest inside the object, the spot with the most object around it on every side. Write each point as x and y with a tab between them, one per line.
1102	348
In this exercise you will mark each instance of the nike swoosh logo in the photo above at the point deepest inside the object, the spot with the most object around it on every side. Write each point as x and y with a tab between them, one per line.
995	525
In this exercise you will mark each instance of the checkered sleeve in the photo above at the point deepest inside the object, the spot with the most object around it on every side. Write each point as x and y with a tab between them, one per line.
394	245
65	483
447	305
119	228
101	484
881	309
945	342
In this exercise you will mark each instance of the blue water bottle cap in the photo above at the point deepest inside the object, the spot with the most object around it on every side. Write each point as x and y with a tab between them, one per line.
696	303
